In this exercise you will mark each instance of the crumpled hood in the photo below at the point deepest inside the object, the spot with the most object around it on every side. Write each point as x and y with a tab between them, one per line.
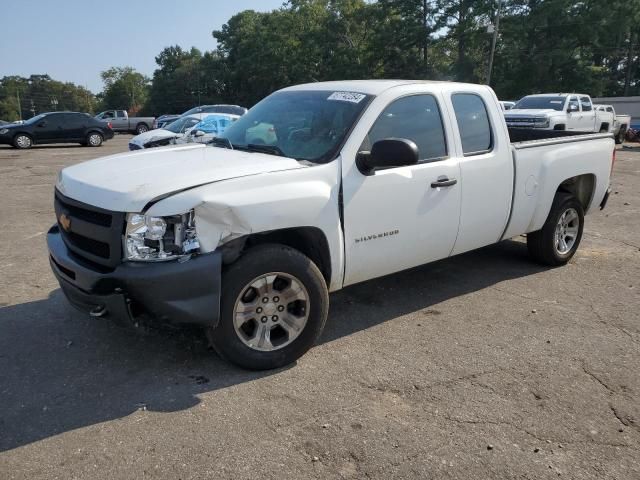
151	135
127	182
533	112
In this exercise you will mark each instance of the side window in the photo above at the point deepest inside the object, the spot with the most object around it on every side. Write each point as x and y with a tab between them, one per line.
120	113
189	124
55	120
610	109
416	118
586	104
107	114
573	101
473	123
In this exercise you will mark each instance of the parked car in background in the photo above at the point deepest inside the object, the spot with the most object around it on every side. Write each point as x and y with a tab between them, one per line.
362	179
621	124
56	127
179	131
506	105
559	111
164	120
121	122
228	109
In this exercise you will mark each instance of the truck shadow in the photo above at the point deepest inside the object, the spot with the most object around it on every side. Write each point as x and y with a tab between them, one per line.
60	370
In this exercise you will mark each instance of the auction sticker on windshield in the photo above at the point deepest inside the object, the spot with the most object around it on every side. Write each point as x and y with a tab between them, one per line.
347	97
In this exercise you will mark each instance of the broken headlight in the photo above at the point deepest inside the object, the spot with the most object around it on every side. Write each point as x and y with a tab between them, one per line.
153	239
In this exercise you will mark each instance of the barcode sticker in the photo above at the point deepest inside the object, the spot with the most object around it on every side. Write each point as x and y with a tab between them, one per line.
347	97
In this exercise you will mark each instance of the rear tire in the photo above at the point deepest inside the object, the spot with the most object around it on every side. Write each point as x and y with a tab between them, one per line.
22	141
141	128
94	139
621	135
558	239
276	288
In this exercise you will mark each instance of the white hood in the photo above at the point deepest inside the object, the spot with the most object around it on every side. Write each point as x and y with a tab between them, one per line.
157	134
531	112
129	181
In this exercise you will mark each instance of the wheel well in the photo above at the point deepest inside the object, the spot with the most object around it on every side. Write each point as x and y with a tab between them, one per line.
560	126
582	187
95	130
310	241
604	126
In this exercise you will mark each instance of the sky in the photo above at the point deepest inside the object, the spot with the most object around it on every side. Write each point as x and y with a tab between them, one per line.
74	40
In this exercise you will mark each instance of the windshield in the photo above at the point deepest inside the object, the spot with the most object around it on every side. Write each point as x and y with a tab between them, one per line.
181	124
35	119
534	103
305	125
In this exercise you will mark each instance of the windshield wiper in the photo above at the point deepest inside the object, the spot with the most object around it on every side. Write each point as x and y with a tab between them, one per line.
270	149
222	142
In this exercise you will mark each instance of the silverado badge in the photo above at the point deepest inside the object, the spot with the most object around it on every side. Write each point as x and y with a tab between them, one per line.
65	222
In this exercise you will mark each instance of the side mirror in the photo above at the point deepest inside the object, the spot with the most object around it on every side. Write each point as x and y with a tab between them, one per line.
197	133
388	153
572	108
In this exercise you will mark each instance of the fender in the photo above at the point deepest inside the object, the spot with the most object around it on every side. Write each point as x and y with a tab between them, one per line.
230	209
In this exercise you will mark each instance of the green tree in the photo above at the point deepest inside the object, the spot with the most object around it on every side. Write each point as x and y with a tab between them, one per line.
124	88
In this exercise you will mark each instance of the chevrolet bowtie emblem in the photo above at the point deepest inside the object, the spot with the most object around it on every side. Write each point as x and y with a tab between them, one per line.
65	222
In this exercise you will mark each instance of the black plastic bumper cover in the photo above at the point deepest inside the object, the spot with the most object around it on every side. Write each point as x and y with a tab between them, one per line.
181	292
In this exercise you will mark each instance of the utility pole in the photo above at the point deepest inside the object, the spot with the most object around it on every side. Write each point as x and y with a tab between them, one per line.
19	106
493	41
425	26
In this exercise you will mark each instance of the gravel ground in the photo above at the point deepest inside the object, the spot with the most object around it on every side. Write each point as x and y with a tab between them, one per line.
480	366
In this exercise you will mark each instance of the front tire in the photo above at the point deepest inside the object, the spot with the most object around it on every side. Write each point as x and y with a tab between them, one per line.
560	236
274	306
22	141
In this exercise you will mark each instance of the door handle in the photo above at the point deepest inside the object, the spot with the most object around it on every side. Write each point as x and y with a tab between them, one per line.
444	182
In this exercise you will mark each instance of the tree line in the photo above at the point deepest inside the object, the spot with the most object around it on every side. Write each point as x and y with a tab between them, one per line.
540	45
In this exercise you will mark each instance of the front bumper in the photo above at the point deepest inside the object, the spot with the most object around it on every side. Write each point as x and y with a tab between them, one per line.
175	291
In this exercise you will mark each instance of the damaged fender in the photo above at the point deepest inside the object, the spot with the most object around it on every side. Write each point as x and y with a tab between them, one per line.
230	209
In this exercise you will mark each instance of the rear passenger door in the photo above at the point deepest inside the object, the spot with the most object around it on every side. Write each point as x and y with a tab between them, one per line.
588	116
121	121
486	169
73	126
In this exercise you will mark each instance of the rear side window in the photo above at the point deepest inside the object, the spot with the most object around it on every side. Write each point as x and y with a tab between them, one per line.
120	113
416	118
473	123
586	104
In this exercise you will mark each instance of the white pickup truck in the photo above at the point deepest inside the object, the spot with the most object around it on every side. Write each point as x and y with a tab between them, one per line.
621	123
316	188
559	111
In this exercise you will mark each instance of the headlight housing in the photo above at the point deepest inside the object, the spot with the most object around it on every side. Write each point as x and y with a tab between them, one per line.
157	239
542	122
3	131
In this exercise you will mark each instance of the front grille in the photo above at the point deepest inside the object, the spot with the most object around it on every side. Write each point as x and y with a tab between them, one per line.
92	233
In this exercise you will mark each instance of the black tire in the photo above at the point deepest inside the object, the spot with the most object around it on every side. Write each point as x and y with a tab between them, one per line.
257	261
94	139
542	244
22	141
141	128
620	137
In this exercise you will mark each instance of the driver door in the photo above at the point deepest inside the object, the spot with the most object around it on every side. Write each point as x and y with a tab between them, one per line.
398	217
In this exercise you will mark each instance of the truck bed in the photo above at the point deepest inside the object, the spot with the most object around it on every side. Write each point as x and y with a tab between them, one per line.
542	160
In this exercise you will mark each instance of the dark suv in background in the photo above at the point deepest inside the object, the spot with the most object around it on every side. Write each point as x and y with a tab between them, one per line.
56	127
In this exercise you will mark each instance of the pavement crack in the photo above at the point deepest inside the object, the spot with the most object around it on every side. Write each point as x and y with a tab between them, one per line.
613	325
597	379
615	240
